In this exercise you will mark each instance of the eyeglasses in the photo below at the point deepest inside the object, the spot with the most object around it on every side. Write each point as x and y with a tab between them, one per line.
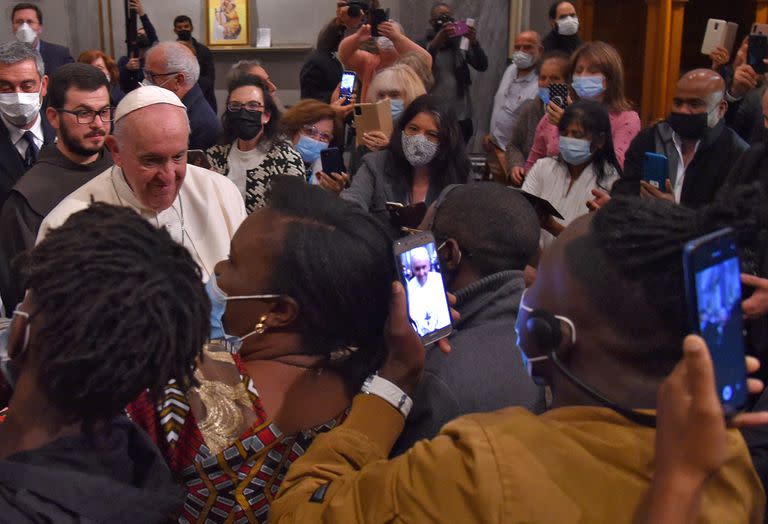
253	107
314	132
87	116
152	76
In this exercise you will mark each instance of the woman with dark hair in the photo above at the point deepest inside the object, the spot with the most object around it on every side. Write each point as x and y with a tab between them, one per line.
321	73
426	154
298	313
587	161
251	150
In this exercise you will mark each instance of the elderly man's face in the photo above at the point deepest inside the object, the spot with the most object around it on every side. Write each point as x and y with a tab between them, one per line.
420	268
152	153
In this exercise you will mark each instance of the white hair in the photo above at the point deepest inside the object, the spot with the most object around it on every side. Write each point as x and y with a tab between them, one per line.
178	58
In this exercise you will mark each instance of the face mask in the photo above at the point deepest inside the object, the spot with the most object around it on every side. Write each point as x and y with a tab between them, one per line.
544	95
184	35
523	60
384	43
418	150
7	366
575	151
309	148
218	306
397	106
568	26
142	41
244	124
20	108
691	127
589	87
25	34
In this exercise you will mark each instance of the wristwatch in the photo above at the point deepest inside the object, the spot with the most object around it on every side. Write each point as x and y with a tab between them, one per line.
383	388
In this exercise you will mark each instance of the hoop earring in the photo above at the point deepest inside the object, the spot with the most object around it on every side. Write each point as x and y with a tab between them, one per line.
260	328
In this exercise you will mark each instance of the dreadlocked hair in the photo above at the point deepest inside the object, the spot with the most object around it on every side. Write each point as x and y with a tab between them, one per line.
641	243
118	307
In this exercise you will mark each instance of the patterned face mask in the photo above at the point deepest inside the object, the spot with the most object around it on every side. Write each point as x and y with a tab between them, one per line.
418	150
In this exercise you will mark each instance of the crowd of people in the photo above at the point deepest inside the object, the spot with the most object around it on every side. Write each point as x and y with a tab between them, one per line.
202	322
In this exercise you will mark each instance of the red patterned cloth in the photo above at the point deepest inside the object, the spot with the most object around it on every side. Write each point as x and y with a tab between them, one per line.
236	485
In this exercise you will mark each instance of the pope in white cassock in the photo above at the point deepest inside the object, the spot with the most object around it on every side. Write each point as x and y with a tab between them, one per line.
426	299
199	208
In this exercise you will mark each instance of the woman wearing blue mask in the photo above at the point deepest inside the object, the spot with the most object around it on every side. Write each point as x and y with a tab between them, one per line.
596	74
586	162
251	150
301	301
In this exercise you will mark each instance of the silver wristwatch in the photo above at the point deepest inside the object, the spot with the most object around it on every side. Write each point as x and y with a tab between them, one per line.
383	388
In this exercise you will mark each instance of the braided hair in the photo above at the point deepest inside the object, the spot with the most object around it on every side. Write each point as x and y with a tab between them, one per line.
117	307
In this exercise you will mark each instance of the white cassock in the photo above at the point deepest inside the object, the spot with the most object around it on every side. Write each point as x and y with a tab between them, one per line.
427	305
203	218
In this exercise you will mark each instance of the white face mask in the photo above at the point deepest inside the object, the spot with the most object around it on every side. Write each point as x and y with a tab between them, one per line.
523	60
20	108
568	26
384	43
25	34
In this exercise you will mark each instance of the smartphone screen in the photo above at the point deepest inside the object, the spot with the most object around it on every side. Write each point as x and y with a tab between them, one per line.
757	51
332	160
347	84
655	170
419	271
713	289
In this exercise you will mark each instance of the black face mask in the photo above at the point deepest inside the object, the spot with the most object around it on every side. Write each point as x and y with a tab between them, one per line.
244	124
142	42
691	127
184	35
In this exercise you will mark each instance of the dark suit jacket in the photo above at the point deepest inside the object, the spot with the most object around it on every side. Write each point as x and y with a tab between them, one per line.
11	163
54	56
320	75
745	116
718	151
206	126
207	79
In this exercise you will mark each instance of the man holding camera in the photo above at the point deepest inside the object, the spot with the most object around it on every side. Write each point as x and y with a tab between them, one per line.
451	58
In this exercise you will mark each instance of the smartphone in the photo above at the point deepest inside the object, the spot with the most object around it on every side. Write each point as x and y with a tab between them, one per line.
419	270
757	52
655	170
460	28
719	33
197	157
713	297
332	161
378	16
759	29
558	93
347	86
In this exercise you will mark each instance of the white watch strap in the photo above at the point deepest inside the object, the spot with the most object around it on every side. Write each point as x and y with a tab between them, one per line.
383	388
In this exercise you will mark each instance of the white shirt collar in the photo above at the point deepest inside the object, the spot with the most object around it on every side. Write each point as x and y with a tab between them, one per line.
17	133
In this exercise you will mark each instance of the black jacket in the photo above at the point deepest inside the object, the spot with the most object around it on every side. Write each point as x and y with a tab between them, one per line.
207	79
54	56
320	75
205	125
129	80
484	371
11	162
745	116
554	41
720	148
474	57
117	477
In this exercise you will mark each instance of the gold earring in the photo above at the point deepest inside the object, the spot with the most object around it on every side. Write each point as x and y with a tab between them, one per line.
261	327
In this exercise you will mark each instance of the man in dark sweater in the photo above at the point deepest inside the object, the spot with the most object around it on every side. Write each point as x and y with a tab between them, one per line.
565	27
700	148
79	111
182	26
487	233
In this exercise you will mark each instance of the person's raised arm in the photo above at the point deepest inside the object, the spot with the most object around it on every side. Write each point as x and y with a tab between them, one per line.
402	43
349	49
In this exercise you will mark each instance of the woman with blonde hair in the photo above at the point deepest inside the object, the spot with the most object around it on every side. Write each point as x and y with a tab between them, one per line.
108	66
597	74
416	62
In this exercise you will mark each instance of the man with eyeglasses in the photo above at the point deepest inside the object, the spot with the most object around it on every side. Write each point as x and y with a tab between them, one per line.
80	113
172	66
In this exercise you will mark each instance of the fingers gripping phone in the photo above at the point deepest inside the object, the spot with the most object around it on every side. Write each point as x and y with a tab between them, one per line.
378	16
419	271
558	93
713	297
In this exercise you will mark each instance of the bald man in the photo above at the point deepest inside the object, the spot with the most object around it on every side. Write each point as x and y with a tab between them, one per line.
700	148
426	297
200	209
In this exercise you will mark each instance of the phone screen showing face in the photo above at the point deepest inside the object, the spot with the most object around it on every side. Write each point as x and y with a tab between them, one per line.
714	280
419	270
347	84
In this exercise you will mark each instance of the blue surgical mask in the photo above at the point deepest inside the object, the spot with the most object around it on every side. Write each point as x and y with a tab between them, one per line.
218	306
589	87
544	95
575	151
7	366
397	106
309	148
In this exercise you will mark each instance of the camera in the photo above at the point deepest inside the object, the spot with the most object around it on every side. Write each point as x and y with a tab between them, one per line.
443	20
356	9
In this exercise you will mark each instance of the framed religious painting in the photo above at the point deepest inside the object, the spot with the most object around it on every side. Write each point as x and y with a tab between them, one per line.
227	23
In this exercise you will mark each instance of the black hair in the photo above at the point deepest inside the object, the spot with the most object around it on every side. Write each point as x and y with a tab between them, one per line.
336	261
27	5
496	226
630	264
118	307
451	164
556	54
554	6
181	19
435	5
271	128
76	75
330	36
594	120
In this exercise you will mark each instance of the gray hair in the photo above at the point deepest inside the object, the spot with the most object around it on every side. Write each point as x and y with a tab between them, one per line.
179	58
242	67
14	52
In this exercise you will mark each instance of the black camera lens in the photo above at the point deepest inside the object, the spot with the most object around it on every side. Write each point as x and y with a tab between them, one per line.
354	11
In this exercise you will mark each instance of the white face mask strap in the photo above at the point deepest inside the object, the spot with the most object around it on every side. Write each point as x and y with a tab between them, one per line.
570	324
251	297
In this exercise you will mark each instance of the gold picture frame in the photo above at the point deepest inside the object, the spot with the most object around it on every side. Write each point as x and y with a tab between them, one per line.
227	23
